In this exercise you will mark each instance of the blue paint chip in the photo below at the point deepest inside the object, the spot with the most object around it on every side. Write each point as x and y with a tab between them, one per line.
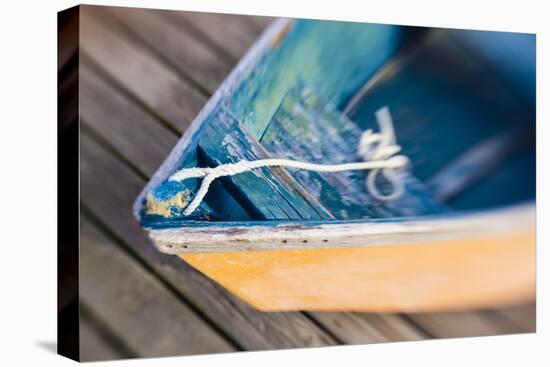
167	190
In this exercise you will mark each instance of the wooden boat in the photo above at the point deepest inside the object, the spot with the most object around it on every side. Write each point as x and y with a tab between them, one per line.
461	232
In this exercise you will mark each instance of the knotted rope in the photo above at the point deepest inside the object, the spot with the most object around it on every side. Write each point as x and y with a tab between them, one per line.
377	149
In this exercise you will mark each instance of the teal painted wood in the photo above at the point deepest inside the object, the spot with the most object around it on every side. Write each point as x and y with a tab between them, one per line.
512	55
514	182
306	129
168	200
265	81
264	193
484	165
445	97
312	51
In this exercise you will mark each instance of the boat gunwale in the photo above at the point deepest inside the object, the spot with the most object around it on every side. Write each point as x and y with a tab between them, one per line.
203	236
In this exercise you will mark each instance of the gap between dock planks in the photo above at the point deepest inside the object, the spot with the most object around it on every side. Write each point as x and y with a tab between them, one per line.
124	75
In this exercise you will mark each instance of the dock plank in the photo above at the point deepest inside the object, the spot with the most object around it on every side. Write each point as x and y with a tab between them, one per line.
524	316
137	306
95	345
176	45
366	328
141	73
239	31
124	124
474	323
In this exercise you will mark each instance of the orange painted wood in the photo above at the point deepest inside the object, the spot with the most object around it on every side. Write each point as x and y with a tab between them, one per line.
465	274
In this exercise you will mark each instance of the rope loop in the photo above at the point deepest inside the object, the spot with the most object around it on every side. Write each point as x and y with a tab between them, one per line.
378	151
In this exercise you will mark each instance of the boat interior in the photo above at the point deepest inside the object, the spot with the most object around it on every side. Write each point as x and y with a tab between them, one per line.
462	103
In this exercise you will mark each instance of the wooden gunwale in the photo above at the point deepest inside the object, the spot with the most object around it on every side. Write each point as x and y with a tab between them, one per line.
270	235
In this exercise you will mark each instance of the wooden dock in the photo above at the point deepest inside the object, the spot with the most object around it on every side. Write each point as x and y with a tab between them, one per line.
143	76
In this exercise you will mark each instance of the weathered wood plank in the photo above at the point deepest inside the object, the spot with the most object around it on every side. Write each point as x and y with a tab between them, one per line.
108	186
94	346
139	71
179	47
365	328
233	34
137	306
116	118
306	129
251	235
523	316
475	323
275	195
304	52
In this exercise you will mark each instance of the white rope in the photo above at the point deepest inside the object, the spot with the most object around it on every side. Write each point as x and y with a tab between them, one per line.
377	149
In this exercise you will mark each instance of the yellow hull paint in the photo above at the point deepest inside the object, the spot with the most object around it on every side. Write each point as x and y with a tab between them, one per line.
454	274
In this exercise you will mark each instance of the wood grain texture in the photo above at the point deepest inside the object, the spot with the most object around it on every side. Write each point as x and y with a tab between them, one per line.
276	334
135	68
238	31
522	316
305	128
179	47
390	278
104	97
93	347
132	69
275	195
478	323
97	341
136	305
307	55
366	328
294	233
122	123
108	185
101	96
